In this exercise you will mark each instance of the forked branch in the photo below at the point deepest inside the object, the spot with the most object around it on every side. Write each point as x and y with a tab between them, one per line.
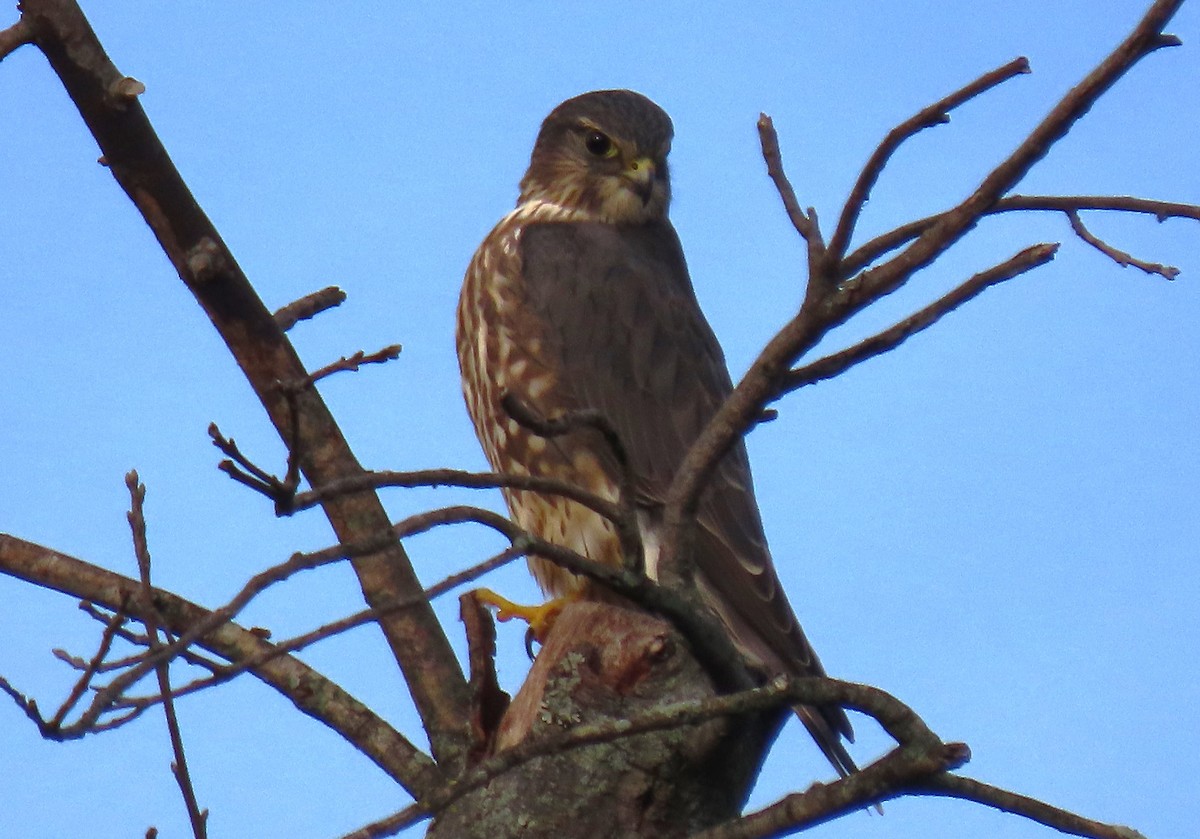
828	303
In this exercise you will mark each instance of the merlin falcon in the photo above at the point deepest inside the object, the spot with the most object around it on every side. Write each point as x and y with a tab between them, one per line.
580	299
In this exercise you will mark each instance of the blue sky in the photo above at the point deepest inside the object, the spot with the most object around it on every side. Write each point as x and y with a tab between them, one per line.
998	522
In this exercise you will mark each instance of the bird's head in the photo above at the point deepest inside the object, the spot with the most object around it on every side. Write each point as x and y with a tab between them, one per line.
605	154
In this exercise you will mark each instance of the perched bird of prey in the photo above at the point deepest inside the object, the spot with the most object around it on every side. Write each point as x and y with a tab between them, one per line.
580	299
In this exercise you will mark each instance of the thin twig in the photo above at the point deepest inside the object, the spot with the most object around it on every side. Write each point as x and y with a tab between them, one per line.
968	789
628	533
1161	210
769	140
309	306
310	692
1118	256
89	672
225	673
463	479
889	241
353	362
936	114
889	339
281	493
179	768
253	476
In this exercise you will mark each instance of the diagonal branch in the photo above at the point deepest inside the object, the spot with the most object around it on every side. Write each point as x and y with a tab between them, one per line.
832	365
1120	257
107	101
936	114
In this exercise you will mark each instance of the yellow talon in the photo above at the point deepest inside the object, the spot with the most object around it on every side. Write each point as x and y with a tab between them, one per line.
540	618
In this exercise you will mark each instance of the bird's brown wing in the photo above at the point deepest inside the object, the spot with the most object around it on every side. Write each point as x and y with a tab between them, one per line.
620	314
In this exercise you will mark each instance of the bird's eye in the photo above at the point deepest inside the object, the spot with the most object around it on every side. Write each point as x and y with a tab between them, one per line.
599	144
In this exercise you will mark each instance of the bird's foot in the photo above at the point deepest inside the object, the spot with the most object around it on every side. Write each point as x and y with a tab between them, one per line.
540	618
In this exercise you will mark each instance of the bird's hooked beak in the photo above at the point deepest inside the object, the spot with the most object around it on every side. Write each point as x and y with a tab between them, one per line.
642	173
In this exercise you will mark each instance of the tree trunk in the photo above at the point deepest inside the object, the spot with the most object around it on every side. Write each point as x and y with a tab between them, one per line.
605	663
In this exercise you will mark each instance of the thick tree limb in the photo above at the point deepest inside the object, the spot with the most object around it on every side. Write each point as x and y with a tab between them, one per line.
107	102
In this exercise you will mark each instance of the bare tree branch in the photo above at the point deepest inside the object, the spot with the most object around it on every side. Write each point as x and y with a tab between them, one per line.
936	114
463	479
309	306
309	691
804	223
1161	210
353	362
831	365
1146	38
828	304
135	156
179	768
956	786
14	37
1118	256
